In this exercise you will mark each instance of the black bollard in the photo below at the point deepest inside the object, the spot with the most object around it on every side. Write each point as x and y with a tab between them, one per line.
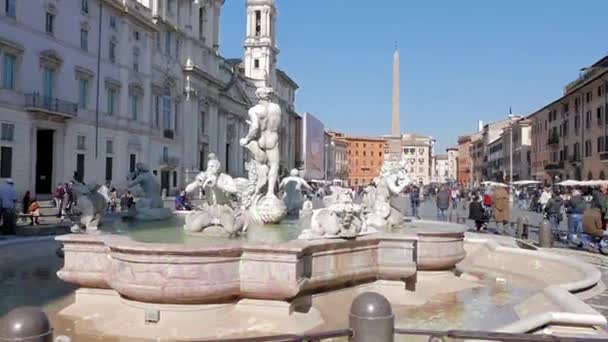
26	324
526	228
371	318
545	235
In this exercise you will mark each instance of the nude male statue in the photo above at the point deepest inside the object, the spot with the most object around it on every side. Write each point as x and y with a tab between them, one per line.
263	139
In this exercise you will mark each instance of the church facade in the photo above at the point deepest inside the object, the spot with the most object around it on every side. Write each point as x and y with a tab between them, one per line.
90	89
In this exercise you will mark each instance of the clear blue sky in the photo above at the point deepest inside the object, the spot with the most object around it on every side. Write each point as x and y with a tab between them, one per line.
461	61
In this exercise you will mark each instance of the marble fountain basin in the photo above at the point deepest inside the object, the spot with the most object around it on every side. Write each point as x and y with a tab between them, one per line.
434	275
211	273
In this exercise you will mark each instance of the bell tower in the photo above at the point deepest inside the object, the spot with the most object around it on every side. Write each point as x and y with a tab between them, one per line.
260	41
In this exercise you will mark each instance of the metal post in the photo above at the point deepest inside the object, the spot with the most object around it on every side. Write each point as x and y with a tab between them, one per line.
545	235
371	318
526	227
520	227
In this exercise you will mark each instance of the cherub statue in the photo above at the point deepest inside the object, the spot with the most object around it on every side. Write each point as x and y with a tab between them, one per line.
293	191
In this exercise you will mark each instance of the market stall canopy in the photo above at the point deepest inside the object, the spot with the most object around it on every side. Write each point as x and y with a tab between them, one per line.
490	183
526	182
569	182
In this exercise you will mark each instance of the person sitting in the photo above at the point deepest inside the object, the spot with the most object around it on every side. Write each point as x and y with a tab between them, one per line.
34	212
182	202
477	213
592	221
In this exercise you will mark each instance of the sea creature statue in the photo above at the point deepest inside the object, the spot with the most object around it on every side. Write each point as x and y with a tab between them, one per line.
219	211
340	219
150	206
379	211
262	140
90	204
292	197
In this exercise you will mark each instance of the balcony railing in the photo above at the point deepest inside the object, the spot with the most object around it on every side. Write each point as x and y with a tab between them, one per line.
554	166
553	140
604	156
168	133
36	101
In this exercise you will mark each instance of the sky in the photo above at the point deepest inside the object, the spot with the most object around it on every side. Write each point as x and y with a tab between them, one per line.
461	61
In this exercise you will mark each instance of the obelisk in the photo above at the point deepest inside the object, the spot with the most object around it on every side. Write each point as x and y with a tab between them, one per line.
396	129
394	139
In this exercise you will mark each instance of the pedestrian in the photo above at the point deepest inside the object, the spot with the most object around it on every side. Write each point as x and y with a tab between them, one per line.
502	214
33	211
477	213
553	211
593	223
8	200
182	202
544	198
575	208
455	195
58	196
415	201
25	202
114	201
127	201
442	200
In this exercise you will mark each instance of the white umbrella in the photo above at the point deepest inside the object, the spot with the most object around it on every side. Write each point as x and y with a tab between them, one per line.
569	182
490	183
526	182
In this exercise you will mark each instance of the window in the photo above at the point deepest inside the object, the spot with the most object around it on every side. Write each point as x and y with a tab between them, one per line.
49	85
112	51
165	153
588	97
600	90
177	44
157	40
156	111
80	167
256	63
588	119
50	23
201	22
109	147
83	85
364	153
167	108
258	23
136	35
600	144
380	154
577	151
170	4
136	60
81	142
600	115
8	132
132	162
112	97
176	118
84	39
6	161
134	106
10	8
109	161
203	119
84	6
113	22
167	42
588	148
577	123
8	71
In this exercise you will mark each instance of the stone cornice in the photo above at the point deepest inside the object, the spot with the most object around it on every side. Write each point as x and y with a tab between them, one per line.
112	83
50	59
83	73
10	46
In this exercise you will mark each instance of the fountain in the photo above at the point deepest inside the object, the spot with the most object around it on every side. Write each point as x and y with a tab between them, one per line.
150	206
265	275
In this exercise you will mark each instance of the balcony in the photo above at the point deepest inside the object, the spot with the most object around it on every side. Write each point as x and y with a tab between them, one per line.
553	141
574	160
168	163
604	156
51	106
168	133
558	166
